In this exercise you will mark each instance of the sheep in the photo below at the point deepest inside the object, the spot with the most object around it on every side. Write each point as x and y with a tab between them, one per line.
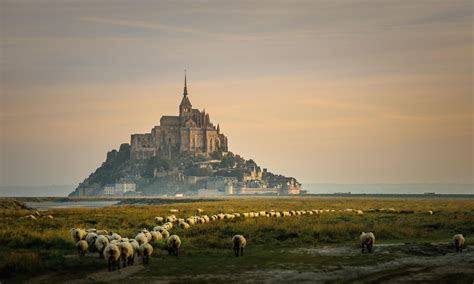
184	225
174	211
199	210
165	234
147	234
239	242
190	221
126	253
458	240
168	226
32	217
100	244
141	238
37	213
156	236
50	217
135	246
145	251
90	239
430	212
359	212
112	254
174	242
102	232
114	236
367	240
159	219
78	234
82	247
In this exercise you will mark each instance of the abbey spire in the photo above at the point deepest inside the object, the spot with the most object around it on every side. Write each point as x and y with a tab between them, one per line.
185	106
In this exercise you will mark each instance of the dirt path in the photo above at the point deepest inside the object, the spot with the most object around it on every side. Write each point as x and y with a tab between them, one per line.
106	276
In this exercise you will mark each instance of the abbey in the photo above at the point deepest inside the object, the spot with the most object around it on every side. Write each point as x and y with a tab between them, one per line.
191	132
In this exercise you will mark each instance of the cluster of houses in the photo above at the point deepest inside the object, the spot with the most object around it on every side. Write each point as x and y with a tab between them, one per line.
123	186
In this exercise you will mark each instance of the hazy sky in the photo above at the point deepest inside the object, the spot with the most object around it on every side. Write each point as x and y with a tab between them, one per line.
325	91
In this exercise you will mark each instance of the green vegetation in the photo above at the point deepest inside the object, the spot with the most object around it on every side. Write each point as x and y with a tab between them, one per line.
32	248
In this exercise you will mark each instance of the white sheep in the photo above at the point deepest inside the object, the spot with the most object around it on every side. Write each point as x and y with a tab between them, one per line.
238	242
184	225
165	234
82	247
174	242
112	254
367	240
101	243
50	217
115	236
199	210
359	212
78	234
126	252
90	239
147	234
102	232
135	246
458	240
430	212
155	236
141	238
145	251
174	211
159	219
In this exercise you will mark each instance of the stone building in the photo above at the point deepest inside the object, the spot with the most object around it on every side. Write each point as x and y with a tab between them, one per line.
191	131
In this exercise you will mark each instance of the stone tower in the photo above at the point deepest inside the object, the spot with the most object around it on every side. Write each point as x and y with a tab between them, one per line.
185	106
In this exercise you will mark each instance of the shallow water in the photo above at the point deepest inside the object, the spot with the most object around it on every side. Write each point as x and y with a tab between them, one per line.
79	204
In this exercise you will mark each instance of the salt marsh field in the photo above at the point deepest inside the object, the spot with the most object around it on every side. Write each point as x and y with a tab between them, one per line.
413	240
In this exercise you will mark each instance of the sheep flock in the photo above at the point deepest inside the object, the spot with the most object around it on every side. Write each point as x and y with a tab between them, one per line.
121	251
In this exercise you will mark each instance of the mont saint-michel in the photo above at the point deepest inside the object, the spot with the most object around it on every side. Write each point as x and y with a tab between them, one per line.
185	155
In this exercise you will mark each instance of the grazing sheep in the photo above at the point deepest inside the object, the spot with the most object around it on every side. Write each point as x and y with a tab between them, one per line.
115	236
239	242
126	253
112	254
156	236
174	242
135	246
430	212
147	234
82	247
50	217
29	217
359	212
165	234
458	240
141	238
90	239
159	219
199	210
367	240
184	225
78	234
174	211
145	251
100	244
102	232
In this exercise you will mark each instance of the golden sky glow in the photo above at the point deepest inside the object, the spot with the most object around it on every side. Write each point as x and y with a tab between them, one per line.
346	92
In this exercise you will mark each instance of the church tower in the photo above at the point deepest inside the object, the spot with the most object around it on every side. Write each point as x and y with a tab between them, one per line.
185	106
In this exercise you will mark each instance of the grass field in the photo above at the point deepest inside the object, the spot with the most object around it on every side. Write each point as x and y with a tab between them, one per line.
302	248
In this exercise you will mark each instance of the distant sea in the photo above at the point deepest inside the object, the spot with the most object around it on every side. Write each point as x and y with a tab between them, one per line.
315	188
381	188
